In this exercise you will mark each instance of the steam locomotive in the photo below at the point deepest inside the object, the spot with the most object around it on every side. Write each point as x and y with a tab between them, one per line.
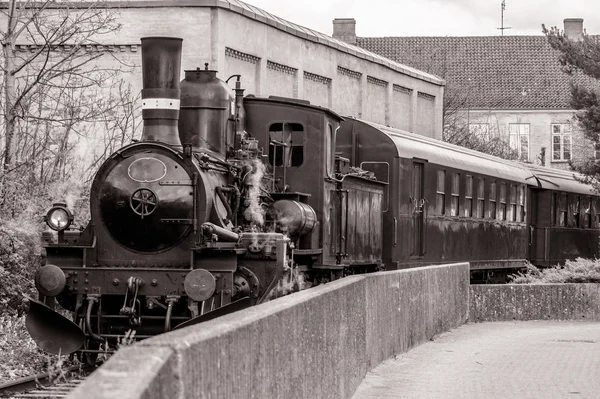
230	200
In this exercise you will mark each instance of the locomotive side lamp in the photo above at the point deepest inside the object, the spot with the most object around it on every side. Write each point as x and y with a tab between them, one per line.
59	217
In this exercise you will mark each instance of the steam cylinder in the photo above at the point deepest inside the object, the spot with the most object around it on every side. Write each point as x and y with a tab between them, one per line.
161	63
207	103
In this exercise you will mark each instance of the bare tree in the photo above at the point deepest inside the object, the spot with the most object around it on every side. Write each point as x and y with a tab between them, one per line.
456	129
57	91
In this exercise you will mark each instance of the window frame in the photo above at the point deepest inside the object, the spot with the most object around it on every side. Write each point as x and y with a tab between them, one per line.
514	139
330	150
493	200
440	196
562	209
522	201
480	130
502	201
587	221
513	203
575	205
561	135
455	194
481	198
290	153
469	196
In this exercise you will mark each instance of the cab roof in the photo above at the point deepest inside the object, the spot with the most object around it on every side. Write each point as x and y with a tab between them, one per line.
295	103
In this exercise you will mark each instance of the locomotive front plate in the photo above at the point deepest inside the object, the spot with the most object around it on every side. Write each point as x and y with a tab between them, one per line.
135	206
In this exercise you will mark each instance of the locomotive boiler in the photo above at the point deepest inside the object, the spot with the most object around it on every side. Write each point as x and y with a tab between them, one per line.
223	201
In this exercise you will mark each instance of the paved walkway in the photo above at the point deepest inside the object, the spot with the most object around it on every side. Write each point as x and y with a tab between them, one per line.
535	359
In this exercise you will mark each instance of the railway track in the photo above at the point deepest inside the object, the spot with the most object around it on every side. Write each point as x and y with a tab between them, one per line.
41	385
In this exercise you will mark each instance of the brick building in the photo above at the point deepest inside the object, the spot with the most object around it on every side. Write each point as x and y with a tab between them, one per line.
508	86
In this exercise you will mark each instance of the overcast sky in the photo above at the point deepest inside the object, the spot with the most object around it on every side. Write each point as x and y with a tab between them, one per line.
435	17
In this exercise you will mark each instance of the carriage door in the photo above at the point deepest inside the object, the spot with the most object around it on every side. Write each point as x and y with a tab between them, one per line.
418	209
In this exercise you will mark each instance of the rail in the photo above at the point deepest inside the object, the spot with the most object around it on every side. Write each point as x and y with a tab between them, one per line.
41	385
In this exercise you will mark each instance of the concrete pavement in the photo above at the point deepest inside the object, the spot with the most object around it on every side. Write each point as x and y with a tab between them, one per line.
524	359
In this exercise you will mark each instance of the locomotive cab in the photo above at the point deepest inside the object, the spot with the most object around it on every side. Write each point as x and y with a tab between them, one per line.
301	139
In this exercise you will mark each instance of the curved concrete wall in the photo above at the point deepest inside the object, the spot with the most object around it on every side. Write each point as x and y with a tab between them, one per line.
535	302
317	343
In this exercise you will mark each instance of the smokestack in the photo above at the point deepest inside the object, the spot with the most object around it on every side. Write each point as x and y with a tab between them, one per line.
161	63
574	28
344	29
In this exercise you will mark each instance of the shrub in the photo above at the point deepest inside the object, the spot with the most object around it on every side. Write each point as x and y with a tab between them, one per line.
20	356
19	259
579	270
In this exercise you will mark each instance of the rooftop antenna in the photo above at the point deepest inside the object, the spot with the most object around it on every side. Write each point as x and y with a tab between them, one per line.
502	28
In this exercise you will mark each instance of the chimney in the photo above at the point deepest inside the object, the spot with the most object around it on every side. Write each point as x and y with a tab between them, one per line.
161	62
574	28
344	29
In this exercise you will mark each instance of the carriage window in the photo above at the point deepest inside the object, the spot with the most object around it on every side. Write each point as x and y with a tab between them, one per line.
286	144
596	211
502	210
454	199
576	206
562	210
480	197
521	217
513	202
469	196
587	221
553	209
492	200
440	204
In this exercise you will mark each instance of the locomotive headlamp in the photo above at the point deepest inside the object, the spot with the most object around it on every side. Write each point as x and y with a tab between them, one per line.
59	217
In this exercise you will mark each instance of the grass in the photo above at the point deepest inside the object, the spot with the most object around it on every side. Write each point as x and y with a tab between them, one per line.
20	356
579	270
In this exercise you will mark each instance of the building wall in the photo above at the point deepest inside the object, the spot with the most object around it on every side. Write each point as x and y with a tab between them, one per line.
425	114
275	59
376	97
317	89
355	86
539	123
402	100
347	85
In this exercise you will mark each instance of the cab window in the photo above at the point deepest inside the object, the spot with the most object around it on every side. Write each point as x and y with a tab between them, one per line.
286	144
330	149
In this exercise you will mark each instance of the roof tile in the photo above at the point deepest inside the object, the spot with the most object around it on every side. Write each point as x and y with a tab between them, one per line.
501	72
